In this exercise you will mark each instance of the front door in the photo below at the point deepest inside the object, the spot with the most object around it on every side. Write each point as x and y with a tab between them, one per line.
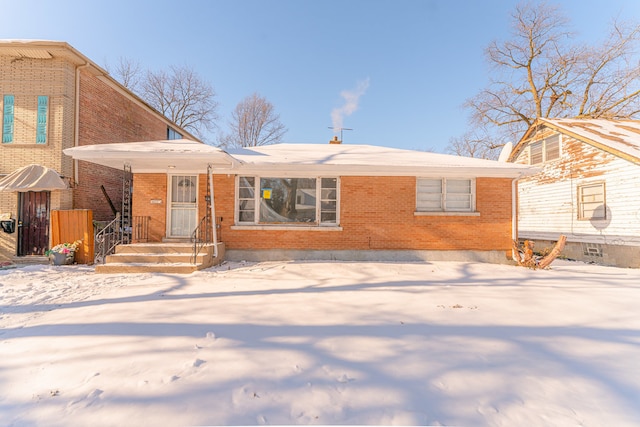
183	208
33	222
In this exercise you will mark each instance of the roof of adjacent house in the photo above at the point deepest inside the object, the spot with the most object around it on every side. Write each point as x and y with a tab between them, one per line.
618	137
291	159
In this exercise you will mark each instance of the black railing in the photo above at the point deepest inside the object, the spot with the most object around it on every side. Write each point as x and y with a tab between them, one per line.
127	190
201	236
106	240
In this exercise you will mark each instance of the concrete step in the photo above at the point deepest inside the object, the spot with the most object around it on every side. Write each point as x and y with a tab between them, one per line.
155	248
30	260
158	258
175	268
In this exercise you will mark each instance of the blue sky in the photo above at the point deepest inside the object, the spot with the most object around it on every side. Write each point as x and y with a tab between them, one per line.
414	62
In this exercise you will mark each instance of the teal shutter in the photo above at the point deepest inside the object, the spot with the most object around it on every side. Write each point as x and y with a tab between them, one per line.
41	130
7	121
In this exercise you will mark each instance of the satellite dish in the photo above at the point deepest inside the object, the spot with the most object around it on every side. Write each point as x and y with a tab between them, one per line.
506	151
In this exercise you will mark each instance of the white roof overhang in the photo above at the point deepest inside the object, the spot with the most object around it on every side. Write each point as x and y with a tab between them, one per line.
168	156
289	160
367	160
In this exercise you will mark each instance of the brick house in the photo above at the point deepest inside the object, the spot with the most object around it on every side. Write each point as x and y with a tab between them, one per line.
323	201
586	188
52	97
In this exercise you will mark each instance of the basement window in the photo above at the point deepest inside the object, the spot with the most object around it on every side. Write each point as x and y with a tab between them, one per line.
592	249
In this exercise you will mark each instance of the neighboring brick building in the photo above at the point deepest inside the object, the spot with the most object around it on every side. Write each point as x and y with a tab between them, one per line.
51	98
324	201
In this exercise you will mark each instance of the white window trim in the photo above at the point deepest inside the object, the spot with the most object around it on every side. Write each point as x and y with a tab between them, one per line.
444	211
267	227
580	188
256	225
544	149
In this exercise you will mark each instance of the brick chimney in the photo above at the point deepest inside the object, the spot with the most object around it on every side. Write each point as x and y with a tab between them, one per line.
335	140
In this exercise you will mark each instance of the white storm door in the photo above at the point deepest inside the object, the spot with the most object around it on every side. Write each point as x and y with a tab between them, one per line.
183	209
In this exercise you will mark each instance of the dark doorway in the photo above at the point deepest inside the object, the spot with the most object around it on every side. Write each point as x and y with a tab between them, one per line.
33	222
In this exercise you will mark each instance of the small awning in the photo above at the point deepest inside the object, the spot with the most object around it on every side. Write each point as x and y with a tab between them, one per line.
32	178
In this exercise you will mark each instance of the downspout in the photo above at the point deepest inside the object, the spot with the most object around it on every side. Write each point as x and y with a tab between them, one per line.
514	217
214	227
76	131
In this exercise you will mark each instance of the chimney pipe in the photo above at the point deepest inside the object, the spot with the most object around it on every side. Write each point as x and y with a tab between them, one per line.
335	140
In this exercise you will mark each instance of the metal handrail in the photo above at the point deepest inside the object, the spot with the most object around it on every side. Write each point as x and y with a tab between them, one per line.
200	237
107	239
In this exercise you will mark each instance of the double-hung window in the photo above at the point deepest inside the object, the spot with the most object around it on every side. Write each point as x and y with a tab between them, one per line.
445	195
287	201
591	201
544	150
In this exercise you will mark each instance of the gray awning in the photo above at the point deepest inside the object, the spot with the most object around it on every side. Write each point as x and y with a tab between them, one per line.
32	178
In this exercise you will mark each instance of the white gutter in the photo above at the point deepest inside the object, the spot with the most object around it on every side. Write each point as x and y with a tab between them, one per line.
213	213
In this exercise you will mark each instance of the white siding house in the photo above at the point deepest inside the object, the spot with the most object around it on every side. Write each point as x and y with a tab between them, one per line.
588	188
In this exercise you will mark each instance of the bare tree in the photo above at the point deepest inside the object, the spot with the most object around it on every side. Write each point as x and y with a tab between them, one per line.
254	122
128	72
473	144
540	73
183	97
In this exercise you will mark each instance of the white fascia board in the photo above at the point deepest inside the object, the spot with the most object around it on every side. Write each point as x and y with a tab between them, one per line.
359	170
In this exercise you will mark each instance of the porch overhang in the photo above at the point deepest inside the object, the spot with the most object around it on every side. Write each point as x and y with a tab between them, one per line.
166	156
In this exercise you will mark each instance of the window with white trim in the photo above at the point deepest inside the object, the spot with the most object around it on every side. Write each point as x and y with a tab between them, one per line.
287	201
445	195
592	201
544	150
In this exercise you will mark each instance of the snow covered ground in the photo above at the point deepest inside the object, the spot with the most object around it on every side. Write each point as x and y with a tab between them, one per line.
321	343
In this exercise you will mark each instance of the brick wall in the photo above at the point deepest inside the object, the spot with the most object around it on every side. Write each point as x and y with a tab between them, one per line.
148	188
107	116
375	212
26	79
